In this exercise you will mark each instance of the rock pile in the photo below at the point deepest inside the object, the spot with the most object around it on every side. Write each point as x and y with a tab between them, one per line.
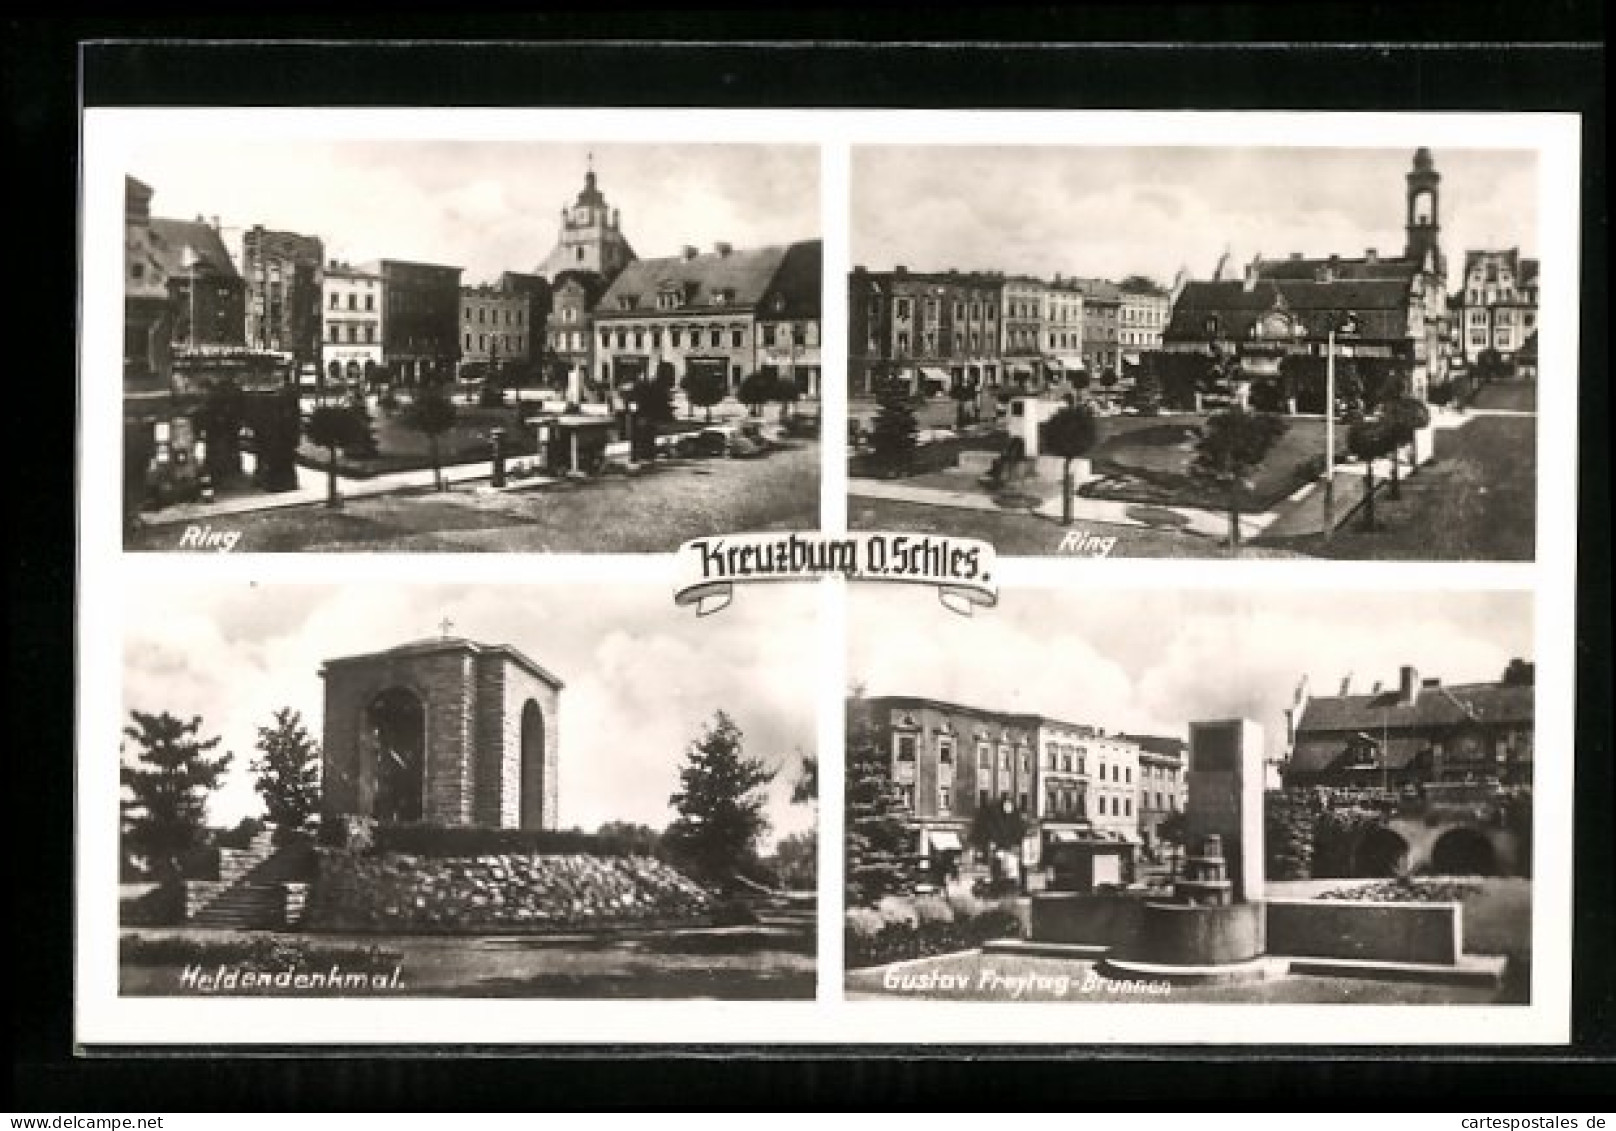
510	892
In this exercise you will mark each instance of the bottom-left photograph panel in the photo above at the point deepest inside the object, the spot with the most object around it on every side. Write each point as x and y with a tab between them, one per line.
492	790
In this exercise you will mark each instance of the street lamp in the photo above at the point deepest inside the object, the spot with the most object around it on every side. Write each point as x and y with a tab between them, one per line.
1344	323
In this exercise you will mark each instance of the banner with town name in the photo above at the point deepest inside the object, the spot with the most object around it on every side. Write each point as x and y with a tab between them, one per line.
962	569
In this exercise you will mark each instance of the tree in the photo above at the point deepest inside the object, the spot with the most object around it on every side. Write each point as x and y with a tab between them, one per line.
785	395
432	414
895	432
1233	443
1403	416
288	774
998	827
219	417
1369	440
651	403
331	427
1108	378
1069	434
756	390
703	389
1146	394
877	833
796	860
362	444
275	425
1141	285
630	837
720	803
167	787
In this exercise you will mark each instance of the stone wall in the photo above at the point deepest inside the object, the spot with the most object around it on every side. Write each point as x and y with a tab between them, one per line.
1383	931
397	892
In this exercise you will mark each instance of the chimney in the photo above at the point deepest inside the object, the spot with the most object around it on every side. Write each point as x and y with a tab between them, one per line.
688	251
1296	255
215	221
1250	282
1431	681
723	248
900	270
1346	685
1371	255
1408	686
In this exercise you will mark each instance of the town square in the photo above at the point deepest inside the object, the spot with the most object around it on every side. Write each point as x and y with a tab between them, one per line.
1214	394
476	366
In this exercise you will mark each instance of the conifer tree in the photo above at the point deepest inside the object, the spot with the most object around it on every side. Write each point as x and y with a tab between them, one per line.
288	769
877	827
894	435
166	787
720	803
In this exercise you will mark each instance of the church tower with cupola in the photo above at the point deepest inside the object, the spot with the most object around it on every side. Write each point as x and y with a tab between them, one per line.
1423	244
591	238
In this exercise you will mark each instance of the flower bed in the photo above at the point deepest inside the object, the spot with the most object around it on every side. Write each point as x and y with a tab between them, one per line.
897	929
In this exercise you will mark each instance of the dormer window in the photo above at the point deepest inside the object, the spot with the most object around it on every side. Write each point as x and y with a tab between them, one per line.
626	302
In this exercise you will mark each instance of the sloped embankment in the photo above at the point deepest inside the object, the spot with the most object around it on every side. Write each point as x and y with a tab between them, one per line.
502	892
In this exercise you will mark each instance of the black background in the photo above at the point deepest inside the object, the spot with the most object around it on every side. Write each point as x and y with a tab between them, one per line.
1208	68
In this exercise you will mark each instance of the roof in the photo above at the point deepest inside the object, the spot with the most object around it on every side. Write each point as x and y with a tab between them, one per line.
1157	745
428	645
1319	754
592	283
714	282
1435	707
1099	290
182	246
1381	306
795	289
1297	268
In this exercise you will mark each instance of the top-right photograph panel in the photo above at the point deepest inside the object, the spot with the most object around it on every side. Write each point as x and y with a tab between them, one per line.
1197	351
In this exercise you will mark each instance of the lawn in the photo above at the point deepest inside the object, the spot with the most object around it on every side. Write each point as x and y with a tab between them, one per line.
1476	502
733	963
1022	533
401	448
1146	459
653	511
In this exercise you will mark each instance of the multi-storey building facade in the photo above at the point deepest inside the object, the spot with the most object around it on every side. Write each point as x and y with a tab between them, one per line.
569	335
1496	307
789	319
1113	792
1021	342
284	292
1396	306
693	312
1418	732
932	331
1063	327
494	330
1163	784
420	320
352	337
209	295
1141	318
1102	327
148	312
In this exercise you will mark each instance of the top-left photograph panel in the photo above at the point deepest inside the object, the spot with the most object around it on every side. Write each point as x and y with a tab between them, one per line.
393	344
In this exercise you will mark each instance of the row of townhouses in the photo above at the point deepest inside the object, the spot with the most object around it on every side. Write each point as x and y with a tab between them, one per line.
591	308
1072	782
944	330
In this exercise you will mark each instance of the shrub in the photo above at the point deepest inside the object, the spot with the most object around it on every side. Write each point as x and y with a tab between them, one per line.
863	924
896	910
266	952
933	909
994	924
734	913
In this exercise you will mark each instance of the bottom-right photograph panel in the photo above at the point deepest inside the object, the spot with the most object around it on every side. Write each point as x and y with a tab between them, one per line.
1191	796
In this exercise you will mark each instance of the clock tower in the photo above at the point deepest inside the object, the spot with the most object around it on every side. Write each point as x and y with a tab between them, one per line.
1423	227
591	238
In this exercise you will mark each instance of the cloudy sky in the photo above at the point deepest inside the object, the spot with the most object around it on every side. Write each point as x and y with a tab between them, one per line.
1153	661
1111	212
484	206
642	676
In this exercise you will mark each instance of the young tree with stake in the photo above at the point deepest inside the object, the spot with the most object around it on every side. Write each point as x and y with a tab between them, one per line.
1070	434
432	414
1234	443
288	774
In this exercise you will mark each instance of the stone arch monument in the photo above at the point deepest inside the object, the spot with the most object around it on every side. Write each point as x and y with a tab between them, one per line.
444	731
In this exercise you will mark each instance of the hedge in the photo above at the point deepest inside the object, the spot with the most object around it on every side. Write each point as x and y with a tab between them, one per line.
439	840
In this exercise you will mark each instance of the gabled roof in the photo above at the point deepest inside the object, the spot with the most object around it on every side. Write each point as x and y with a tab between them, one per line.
1381	306
795	289
1435	707
186	245
1333	752
714	282
1347	270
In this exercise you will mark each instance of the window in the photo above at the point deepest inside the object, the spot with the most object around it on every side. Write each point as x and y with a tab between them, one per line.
737	336
353	301
715	336
622	339
945	798
335	300
945	751
981	799
903	308
984	756
1127	775
1127	806
370	332
905	746
676	337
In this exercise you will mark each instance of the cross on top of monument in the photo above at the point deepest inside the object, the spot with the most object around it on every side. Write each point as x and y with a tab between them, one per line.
444	626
